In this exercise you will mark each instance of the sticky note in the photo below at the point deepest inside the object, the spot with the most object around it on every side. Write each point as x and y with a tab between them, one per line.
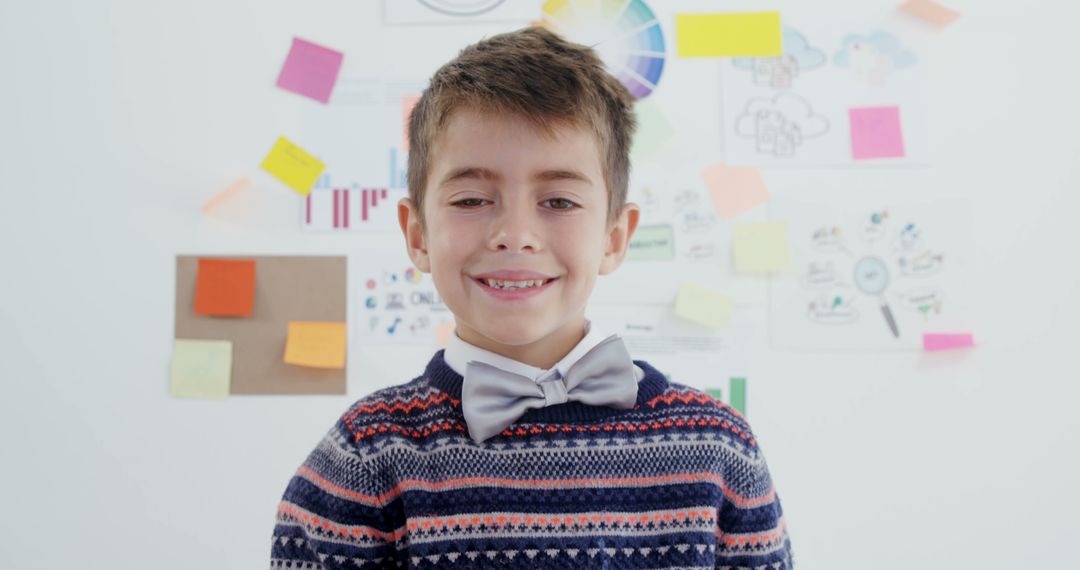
876	133
654	130
408	102
225	287
220	197
316	344
939	341
310	70
761	247
751	34
734	189
716	393
703	306
442	334
737	389
652	243
200	369
293	166
930	11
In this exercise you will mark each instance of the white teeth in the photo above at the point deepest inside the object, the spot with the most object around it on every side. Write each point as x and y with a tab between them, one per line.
499	284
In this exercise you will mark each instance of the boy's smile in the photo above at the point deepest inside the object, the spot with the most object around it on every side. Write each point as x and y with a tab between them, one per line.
516	232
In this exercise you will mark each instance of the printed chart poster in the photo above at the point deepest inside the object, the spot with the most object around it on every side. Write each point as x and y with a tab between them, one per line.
358	135
679	238
397	303
680	349
835	97
871	277
459	11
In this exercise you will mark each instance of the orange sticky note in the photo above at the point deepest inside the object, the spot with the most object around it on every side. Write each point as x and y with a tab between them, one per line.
317	344
225	287
442	334
734	189
930	11
220	197
407	104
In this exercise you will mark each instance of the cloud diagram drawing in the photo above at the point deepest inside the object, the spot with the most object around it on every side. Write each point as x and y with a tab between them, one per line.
778	72
780	124
873	58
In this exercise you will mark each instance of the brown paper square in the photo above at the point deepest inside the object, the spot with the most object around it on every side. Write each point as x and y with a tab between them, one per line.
287	288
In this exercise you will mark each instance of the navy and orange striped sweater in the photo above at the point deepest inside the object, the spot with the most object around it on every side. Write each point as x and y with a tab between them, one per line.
676	482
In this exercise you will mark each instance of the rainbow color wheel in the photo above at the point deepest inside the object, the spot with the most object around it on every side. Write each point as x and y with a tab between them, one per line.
624	33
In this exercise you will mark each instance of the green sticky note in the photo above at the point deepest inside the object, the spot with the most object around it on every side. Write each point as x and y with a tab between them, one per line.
703	306
761	247
653	131
652	243
737	389
201	369
715	393
752	34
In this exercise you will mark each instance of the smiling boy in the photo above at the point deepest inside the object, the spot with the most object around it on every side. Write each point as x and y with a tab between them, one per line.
532	440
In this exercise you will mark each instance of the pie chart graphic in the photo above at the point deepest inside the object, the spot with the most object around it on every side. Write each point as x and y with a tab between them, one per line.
462	7
624	33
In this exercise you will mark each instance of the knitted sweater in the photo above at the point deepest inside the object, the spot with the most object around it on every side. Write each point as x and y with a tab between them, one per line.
676	482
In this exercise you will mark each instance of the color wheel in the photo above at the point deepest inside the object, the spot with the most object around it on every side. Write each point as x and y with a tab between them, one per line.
624	33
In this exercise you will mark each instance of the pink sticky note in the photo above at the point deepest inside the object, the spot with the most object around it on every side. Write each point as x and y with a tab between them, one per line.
930	11
310	70
734	189
876	133
407	104
951	341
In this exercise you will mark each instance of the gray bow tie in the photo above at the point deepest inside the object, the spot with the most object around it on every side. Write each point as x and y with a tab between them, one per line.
492	398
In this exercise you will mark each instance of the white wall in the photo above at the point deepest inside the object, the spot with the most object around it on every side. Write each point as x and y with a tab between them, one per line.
118	119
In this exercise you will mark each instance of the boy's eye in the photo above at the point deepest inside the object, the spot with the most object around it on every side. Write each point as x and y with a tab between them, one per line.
470	202
560	203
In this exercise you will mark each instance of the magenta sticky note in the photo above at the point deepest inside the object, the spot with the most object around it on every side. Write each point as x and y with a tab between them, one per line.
310	70
939	341
876	133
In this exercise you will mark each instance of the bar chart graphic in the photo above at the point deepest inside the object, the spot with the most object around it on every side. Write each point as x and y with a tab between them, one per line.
352	207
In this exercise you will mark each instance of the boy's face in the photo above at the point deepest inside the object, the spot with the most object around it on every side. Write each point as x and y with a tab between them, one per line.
506	202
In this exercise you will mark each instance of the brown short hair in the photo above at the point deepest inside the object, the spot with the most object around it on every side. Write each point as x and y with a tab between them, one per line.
535	74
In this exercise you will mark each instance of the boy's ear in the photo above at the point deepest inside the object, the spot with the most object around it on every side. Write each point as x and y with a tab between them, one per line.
413	230
619	235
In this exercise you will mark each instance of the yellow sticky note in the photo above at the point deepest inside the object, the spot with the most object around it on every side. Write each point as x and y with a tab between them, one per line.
317	344
761	247
751	34
293	166
201	369
703	306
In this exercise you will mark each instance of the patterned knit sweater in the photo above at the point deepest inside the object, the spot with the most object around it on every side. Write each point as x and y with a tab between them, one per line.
676	482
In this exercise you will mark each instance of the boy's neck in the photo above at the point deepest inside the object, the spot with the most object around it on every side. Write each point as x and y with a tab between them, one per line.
543	354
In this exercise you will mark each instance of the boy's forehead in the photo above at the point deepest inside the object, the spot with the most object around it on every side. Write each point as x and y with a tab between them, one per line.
484	144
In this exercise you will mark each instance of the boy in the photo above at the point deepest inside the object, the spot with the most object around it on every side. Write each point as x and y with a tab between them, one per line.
532	440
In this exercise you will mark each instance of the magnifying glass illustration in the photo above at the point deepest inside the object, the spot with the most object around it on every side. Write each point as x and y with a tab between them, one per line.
872	277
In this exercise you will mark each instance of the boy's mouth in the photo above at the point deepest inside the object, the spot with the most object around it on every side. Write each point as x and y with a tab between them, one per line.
513	285
508	285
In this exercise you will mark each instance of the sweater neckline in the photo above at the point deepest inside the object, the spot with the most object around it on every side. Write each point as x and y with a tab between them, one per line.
651	385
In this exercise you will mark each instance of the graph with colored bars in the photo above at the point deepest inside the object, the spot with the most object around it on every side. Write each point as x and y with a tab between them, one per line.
330	207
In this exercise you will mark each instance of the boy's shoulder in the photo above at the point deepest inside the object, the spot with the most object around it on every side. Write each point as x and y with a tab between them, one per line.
411	409
697	407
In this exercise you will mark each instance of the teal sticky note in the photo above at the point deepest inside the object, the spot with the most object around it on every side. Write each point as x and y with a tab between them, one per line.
737	389
652	243
715	393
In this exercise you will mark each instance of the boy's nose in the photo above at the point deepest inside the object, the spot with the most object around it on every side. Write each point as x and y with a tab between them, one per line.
515	230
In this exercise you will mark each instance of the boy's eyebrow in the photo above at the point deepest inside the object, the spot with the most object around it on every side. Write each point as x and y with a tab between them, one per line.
479	172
